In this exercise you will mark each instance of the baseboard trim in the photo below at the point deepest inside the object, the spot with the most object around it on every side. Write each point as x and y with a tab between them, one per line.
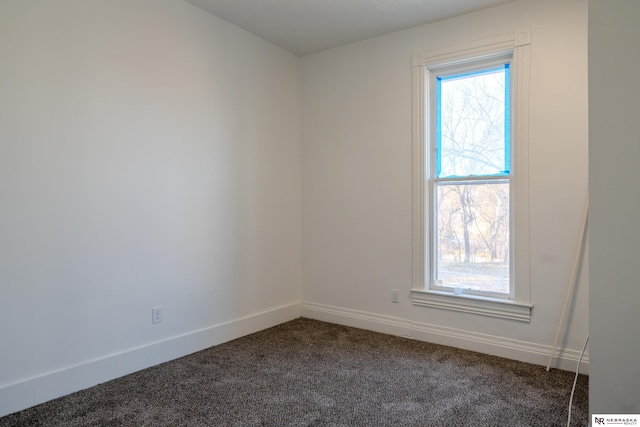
524	351
23	394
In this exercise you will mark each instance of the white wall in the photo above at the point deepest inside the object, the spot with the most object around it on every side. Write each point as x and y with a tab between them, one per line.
149	156
357	181
614	151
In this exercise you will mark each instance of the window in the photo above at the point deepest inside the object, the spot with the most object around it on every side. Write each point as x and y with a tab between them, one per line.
470	178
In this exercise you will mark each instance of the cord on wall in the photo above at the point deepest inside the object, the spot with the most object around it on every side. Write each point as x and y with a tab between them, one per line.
575	380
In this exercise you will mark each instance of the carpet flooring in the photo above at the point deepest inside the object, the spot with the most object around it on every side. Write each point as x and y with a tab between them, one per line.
311	373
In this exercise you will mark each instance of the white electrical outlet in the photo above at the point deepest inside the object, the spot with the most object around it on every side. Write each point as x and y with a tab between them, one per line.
394	295
156	315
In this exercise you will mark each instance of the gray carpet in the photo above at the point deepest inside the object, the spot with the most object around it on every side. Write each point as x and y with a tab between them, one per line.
311	373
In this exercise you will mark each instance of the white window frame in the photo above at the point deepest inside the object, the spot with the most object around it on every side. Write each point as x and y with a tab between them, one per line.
518	306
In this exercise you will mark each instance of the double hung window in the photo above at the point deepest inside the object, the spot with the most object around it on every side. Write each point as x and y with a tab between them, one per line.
470	178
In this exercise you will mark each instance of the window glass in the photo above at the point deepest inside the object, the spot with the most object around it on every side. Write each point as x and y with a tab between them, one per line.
472	249
472	123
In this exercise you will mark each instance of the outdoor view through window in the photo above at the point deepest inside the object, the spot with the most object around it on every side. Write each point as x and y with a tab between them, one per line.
470	182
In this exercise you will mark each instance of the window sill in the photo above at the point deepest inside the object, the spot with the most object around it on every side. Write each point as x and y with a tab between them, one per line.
493	307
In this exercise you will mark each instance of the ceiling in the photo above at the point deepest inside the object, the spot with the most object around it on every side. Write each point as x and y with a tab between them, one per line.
309	26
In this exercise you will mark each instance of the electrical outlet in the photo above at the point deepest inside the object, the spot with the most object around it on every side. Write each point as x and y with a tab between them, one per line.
394	295
156	315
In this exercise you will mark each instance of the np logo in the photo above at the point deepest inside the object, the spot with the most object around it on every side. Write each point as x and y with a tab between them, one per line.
599	420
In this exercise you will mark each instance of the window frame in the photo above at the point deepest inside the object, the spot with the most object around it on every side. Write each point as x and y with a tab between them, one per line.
518	304
434	181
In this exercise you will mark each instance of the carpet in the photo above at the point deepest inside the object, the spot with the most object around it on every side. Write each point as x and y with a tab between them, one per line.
311	373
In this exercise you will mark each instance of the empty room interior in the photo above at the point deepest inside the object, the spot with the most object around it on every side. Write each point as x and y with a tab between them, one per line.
171	181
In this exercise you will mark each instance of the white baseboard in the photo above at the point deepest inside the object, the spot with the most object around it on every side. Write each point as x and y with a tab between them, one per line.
509	348
33	391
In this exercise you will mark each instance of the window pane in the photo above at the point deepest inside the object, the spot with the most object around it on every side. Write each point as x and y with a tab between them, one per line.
472	236
472	124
